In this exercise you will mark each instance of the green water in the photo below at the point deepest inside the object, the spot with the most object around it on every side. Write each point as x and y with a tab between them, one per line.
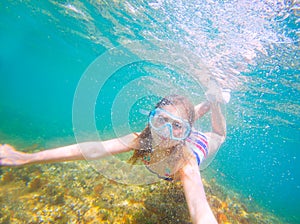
46	48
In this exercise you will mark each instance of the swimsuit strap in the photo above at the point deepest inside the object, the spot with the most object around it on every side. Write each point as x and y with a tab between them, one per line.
167	178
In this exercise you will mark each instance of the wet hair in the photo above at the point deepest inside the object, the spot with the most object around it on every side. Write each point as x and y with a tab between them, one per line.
143	144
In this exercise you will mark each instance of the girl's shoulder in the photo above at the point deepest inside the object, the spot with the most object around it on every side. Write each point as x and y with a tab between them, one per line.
195	134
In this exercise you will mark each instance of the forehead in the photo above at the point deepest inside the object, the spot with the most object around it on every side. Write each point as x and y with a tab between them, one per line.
178	111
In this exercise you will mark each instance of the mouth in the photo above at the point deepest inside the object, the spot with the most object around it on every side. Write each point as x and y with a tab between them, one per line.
161	137
164	138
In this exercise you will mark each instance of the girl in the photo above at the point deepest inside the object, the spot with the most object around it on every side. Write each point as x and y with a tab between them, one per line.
169	147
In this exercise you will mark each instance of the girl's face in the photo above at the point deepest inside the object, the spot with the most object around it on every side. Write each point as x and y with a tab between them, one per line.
168	126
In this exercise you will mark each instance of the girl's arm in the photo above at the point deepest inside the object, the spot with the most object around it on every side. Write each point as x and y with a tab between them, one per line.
218	134
217	118
201	109
218	122
199	208
86	150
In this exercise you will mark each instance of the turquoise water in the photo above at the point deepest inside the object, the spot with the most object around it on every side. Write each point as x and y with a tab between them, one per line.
252	48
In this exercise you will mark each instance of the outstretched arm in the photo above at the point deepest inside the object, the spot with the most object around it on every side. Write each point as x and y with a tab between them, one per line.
199	208
86	150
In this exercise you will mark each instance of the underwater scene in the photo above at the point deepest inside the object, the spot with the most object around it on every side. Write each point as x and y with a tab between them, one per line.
76	71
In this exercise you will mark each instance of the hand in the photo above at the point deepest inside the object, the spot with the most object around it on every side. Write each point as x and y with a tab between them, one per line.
9	156
217	94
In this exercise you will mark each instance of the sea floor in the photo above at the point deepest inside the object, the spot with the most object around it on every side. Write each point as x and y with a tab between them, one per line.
75	193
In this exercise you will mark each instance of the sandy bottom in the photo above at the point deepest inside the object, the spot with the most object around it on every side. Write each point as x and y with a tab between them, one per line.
75	193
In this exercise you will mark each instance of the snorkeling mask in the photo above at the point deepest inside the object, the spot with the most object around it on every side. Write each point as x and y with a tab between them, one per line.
168	125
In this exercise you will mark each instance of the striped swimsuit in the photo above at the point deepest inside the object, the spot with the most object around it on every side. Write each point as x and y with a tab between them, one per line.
198	143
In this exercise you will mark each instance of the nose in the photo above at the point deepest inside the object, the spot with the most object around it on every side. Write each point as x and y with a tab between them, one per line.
166	130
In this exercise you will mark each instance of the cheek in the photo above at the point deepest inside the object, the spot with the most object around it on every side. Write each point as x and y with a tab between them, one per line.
155	138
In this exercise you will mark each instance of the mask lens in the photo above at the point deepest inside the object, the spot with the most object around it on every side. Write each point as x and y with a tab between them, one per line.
160	120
